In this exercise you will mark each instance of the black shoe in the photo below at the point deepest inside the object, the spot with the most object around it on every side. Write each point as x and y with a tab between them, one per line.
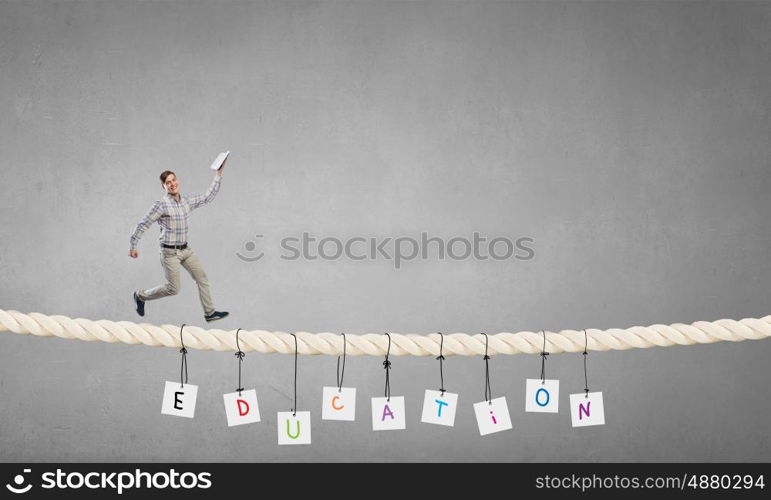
216	315
140	304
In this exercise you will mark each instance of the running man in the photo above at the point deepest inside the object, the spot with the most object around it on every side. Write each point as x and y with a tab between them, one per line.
172	212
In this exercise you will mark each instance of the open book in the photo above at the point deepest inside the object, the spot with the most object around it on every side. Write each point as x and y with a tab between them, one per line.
219	160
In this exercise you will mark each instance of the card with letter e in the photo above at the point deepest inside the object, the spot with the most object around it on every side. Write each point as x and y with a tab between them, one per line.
242	409
339	403
542	396
587	409
439	409
178	400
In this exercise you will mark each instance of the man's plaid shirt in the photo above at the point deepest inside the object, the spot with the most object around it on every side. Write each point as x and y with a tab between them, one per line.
172	215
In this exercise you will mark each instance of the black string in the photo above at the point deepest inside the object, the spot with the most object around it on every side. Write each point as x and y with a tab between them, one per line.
488	390
339	374
441	360
586	377
387	366
182	368
240	355
543	359
294	409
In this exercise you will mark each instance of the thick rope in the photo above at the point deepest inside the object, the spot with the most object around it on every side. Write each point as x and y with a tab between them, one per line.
371	344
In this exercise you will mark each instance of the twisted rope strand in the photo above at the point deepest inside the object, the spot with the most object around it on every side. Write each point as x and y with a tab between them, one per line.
372	344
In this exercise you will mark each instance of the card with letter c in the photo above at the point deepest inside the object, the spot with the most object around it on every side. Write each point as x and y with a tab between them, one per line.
339	403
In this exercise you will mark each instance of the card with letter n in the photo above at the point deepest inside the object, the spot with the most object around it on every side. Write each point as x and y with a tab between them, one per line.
587	409
178	400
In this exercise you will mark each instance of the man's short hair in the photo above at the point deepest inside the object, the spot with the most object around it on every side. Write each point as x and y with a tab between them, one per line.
165	174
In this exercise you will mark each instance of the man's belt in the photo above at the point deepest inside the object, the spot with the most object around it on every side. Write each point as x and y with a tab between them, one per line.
178	247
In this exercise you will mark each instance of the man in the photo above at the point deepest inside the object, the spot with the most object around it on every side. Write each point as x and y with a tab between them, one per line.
172	212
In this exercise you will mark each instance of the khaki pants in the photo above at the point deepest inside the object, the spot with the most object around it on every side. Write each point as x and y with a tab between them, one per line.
171	258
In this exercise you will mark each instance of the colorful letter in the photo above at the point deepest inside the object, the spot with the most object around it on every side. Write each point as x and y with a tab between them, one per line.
334	405
289	433
387	411
441	403
241	410
493	416
582	410
538	401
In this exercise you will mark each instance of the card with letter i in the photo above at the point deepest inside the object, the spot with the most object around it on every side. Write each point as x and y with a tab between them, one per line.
492	416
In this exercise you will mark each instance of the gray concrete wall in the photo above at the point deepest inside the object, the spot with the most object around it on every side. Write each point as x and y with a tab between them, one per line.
629	140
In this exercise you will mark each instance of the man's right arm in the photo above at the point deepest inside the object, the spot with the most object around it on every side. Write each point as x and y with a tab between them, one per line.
153	215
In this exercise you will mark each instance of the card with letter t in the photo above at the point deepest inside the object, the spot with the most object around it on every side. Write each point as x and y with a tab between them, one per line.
438	408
